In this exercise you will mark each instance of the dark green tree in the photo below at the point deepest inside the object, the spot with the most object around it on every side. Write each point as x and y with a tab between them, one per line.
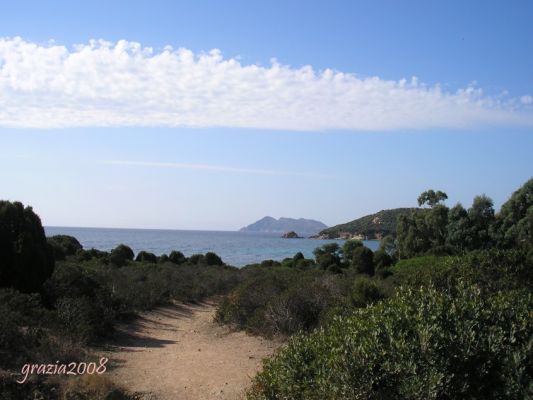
363	260
64	245
120	255
145	256
348	249
26	259
481	221
513	222
177	257
458	229
382	260
431	198
328	256
213	259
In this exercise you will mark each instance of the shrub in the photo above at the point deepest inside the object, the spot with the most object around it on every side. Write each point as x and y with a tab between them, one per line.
120	255
21	315
422	344
177	257
196	259
363	260
64	245
213	259
381	259
26	258
366	292
145	256
276	300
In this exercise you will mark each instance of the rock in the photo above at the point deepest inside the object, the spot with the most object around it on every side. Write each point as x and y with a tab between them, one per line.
290	235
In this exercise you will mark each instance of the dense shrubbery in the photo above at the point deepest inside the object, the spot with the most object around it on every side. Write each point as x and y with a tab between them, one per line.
441	230
26	260
281	299
64	245
421	344
146	257
120	255
276	300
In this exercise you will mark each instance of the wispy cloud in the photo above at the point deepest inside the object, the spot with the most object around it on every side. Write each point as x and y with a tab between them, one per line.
125	84
209	167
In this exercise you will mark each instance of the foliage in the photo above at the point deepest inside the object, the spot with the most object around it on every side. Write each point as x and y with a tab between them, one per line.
64	245
147	257
328	257
421	344
515	219
120	255
274	300
176	257
431	198
491	270
26	260
440	230
213	259
362	260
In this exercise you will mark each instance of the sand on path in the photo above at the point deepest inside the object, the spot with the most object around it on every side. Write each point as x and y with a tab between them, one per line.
179	352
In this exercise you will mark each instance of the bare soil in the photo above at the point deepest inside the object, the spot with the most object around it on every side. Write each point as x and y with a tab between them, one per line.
179	352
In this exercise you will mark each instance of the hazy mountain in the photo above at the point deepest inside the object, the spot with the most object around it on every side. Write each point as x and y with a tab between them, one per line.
302	226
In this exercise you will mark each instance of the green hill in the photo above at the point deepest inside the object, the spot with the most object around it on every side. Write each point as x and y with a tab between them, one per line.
373	226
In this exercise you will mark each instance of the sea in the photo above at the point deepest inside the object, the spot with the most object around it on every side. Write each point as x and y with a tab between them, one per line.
235	248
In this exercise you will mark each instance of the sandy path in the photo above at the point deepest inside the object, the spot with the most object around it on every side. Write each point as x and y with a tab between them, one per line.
178	352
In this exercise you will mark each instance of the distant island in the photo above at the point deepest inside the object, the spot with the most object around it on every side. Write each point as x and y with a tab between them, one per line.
301	226
369	227
290	235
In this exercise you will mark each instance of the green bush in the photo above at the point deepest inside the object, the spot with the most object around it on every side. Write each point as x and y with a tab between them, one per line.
278	300
196	259
492	270
366	292
145	256
213	259
177	257
64	245
26	259
362	260
421	344
120	255
21	317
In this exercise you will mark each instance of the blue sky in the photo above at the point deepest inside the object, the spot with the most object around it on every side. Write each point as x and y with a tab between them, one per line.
113	134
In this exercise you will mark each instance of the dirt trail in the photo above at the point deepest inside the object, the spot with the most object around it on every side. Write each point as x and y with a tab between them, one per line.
178	352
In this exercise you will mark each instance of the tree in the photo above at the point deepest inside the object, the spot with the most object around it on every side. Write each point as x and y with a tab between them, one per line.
382	260
26	259
213	259
363	260
431	198
514	218
328	256
388	244
120	255
145	256
348	249
458	229
177	257
481	219
64	245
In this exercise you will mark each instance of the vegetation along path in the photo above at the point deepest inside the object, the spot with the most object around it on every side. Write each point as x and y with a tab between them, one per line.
179	352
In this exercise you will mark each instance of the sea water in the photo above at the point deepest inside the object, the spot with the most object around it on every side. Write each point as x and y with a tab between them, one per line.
235	248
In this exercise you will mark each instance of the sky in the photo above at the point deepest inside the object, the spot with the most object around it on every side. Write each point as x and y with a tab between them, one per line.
211	115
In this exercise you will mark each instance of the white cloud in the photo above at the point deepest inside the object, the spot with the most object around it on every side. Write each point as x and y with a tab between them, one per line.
209	167
125	84
527	99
